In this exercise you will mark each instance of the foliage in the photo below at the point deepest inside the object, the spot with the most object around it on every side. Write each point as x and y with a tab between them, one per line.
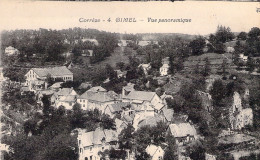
126	138
197	45
218	92
242	36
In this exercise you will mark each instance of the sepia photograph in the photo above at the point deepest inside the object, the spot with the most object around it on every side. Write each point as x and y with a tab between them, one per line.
150	81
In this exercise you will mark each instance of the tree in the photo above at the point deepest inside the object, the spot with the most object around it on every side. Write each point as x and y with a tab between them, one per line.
126	138
218	92
206	67
254	33
107	122
197	45
242	36
171	65
120	65
171	150
224	34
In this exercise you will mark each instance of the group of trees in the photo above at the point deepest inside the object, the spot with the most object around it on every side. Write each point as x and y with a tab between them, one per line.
49	45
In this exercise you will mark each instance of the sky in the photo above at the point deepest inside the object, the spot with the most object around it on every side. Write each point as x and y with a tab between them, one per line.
205	16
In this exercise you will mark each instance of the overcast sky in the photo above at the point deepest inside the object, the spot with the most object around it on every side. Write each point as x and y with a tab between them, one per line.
205	16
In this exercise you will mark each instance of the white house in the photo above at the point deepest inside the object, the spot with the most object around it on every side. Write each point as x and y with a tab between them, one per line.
243	57
165	66
156	152
67	101
183	133
143	99
96	98
65	97
116	108
36	74
11	51
93	142
120	125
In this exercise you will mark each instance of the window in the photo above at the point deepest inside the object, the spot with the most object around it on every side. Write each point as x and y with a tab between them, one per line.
103	148
79	142
83	105
91	157
90	148
80	150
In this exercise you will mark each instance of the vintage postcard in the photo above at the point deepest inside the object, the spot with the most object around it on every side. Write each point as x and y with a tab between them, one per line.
130	80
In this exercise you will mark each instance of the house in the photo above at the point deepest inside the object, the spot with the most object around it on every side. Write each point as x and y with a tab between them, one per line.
145	67
239	117
156	152
183	133
210	156
85	85
97	89
121	74
115	109
206	100
67	101
165	66
243	58
120	125
56	86
87	52
42	93
36	74
97	98
11	51
148	121
128	88
65	97
143	99
93	142
37	85
167	115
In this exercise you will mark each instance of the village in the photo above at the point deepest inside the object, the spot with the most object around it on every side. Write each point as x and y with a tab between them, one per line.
150	99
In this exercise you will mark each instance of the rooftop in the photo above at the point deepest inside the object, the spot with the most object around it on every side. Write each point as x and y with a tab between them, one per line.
182	130
53	71
140	95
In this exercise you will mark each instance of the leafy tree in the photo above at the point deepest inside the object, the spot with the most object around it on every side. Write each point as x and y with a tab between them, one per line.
254	32
218	92
126	138
171	150
120	65
224	34
242	36
171	68
206	67
197	45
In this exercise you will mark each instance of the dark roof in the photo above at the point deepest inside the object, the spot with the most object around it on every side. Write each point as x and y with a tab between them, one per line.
118	106
140	95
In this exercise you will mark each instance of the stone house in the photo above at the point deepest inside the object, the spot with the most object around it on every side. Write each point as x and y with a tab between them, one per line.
183	133
93	142
156	152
